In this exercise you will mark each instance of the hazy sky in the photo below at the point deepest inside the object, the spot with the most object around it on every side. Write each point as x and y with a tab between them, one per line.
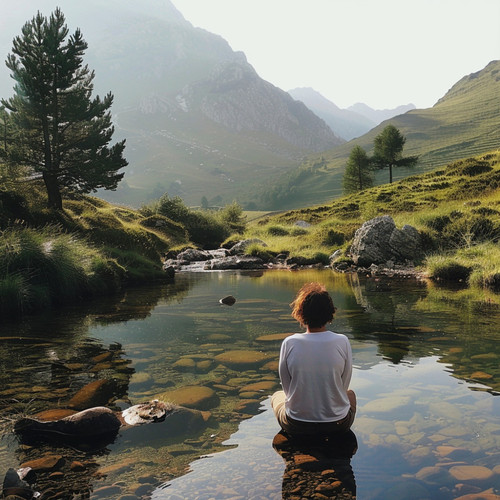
380	52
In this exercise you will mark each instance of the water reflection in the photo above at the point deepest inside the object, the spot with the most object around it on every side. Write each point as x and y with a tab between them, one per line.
425	373
317	466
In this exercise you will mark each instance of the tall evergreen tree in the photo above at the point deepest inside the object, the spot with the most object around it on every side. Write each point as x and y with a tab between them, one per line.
388	150
358	174
60	131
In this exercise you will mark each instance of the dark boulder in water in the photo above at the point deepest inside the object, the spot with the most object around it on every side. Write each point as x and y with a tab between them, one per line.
229	300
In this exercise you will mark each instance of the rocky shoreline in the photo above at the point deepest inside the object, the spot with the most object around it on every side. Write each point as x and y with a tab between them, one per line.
378	249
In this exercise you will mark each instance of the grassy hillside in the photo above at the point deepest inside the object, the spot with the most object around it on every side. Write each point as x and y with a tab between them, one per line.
465	122
90	248
219	164
456	208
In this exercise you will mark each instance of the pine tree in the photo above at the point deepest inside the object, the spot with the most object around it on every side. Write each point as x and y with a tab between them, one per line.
60	131
358	174
388	150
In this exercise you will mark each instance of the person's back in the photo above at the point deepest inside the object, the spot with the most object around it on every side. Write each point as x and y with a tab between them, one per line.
315	370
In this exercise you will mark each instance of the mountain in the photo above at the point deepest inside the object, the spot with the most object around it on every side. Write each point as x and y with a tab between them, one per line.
379	115
465	122
198	119
344	123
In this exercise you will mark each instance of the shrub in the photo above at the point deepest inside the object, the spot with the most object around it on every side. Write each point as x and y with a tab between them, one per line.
437	222
298	231
277	231
256	250
204	229
447	269
232	217
333	238
321	258
468	230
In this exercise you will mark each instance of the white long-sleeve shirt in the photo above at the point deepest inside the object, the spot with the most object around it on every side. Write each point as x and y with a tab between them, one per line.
315	371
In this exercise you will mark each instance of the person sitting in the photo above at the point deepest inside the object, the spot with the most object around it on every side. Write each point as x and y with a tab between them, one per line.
315	370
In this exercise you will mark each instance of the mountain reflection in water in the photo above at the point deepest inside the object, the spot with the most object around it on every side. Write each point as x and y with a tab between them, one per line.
426	375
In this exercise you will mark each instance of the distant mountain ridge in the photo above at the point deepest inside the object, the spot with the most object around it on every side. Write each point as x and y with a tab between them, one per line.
380	115
346	123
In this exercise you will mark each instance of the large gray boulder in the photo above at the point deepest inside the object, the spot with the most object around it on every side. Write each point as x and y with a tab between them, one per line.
194	255
379	241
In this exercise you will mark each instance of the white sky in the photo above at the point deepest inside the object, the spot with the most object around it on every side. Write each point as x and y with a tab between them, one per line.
380	52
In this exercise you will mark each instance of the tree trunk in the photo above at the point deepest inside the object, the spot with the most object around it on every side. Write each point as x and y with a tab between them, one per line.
54	199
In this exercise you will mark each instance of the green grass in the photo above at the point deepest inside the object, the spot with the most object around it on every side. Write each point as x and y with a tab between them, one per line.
40	268
456	209
48	257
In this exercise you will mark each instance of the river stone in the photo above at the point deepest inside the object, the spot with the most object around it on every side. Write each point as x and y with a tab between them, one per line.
250	395
77	466
271	366
238	382
194	255
264	386
433	475
247	405
471	473
486	355
184	364
54	414
97	393
452	452
193	396
481	376
483	495
106	492
386	404
44	464
241	360
100	358
229	300
204	365
141	378
274	337
234	262
117	468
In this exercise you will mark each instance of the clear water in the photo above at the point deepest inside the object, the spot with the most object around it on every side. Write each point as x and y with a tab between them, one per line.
426	375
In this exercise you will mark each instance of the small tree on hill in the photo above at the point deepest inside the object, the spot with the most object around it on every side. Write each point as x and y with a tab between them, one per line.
60	131
358	173
388	150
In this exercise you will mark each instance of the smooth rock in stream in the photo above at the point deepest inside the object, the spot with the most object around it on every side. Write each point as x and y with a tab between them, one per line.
229	300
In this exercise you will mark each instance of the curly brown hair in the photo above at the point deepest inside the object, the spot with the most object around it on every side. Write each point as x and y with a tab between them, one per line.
313	306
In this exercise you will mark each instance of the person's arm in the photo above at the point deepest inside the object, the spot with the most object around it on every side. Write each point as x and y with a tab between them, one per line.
285	376
347	373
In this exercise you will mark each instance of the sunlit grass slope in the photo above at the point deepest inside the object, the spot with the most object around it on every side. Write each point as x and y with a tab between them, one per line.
456	208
